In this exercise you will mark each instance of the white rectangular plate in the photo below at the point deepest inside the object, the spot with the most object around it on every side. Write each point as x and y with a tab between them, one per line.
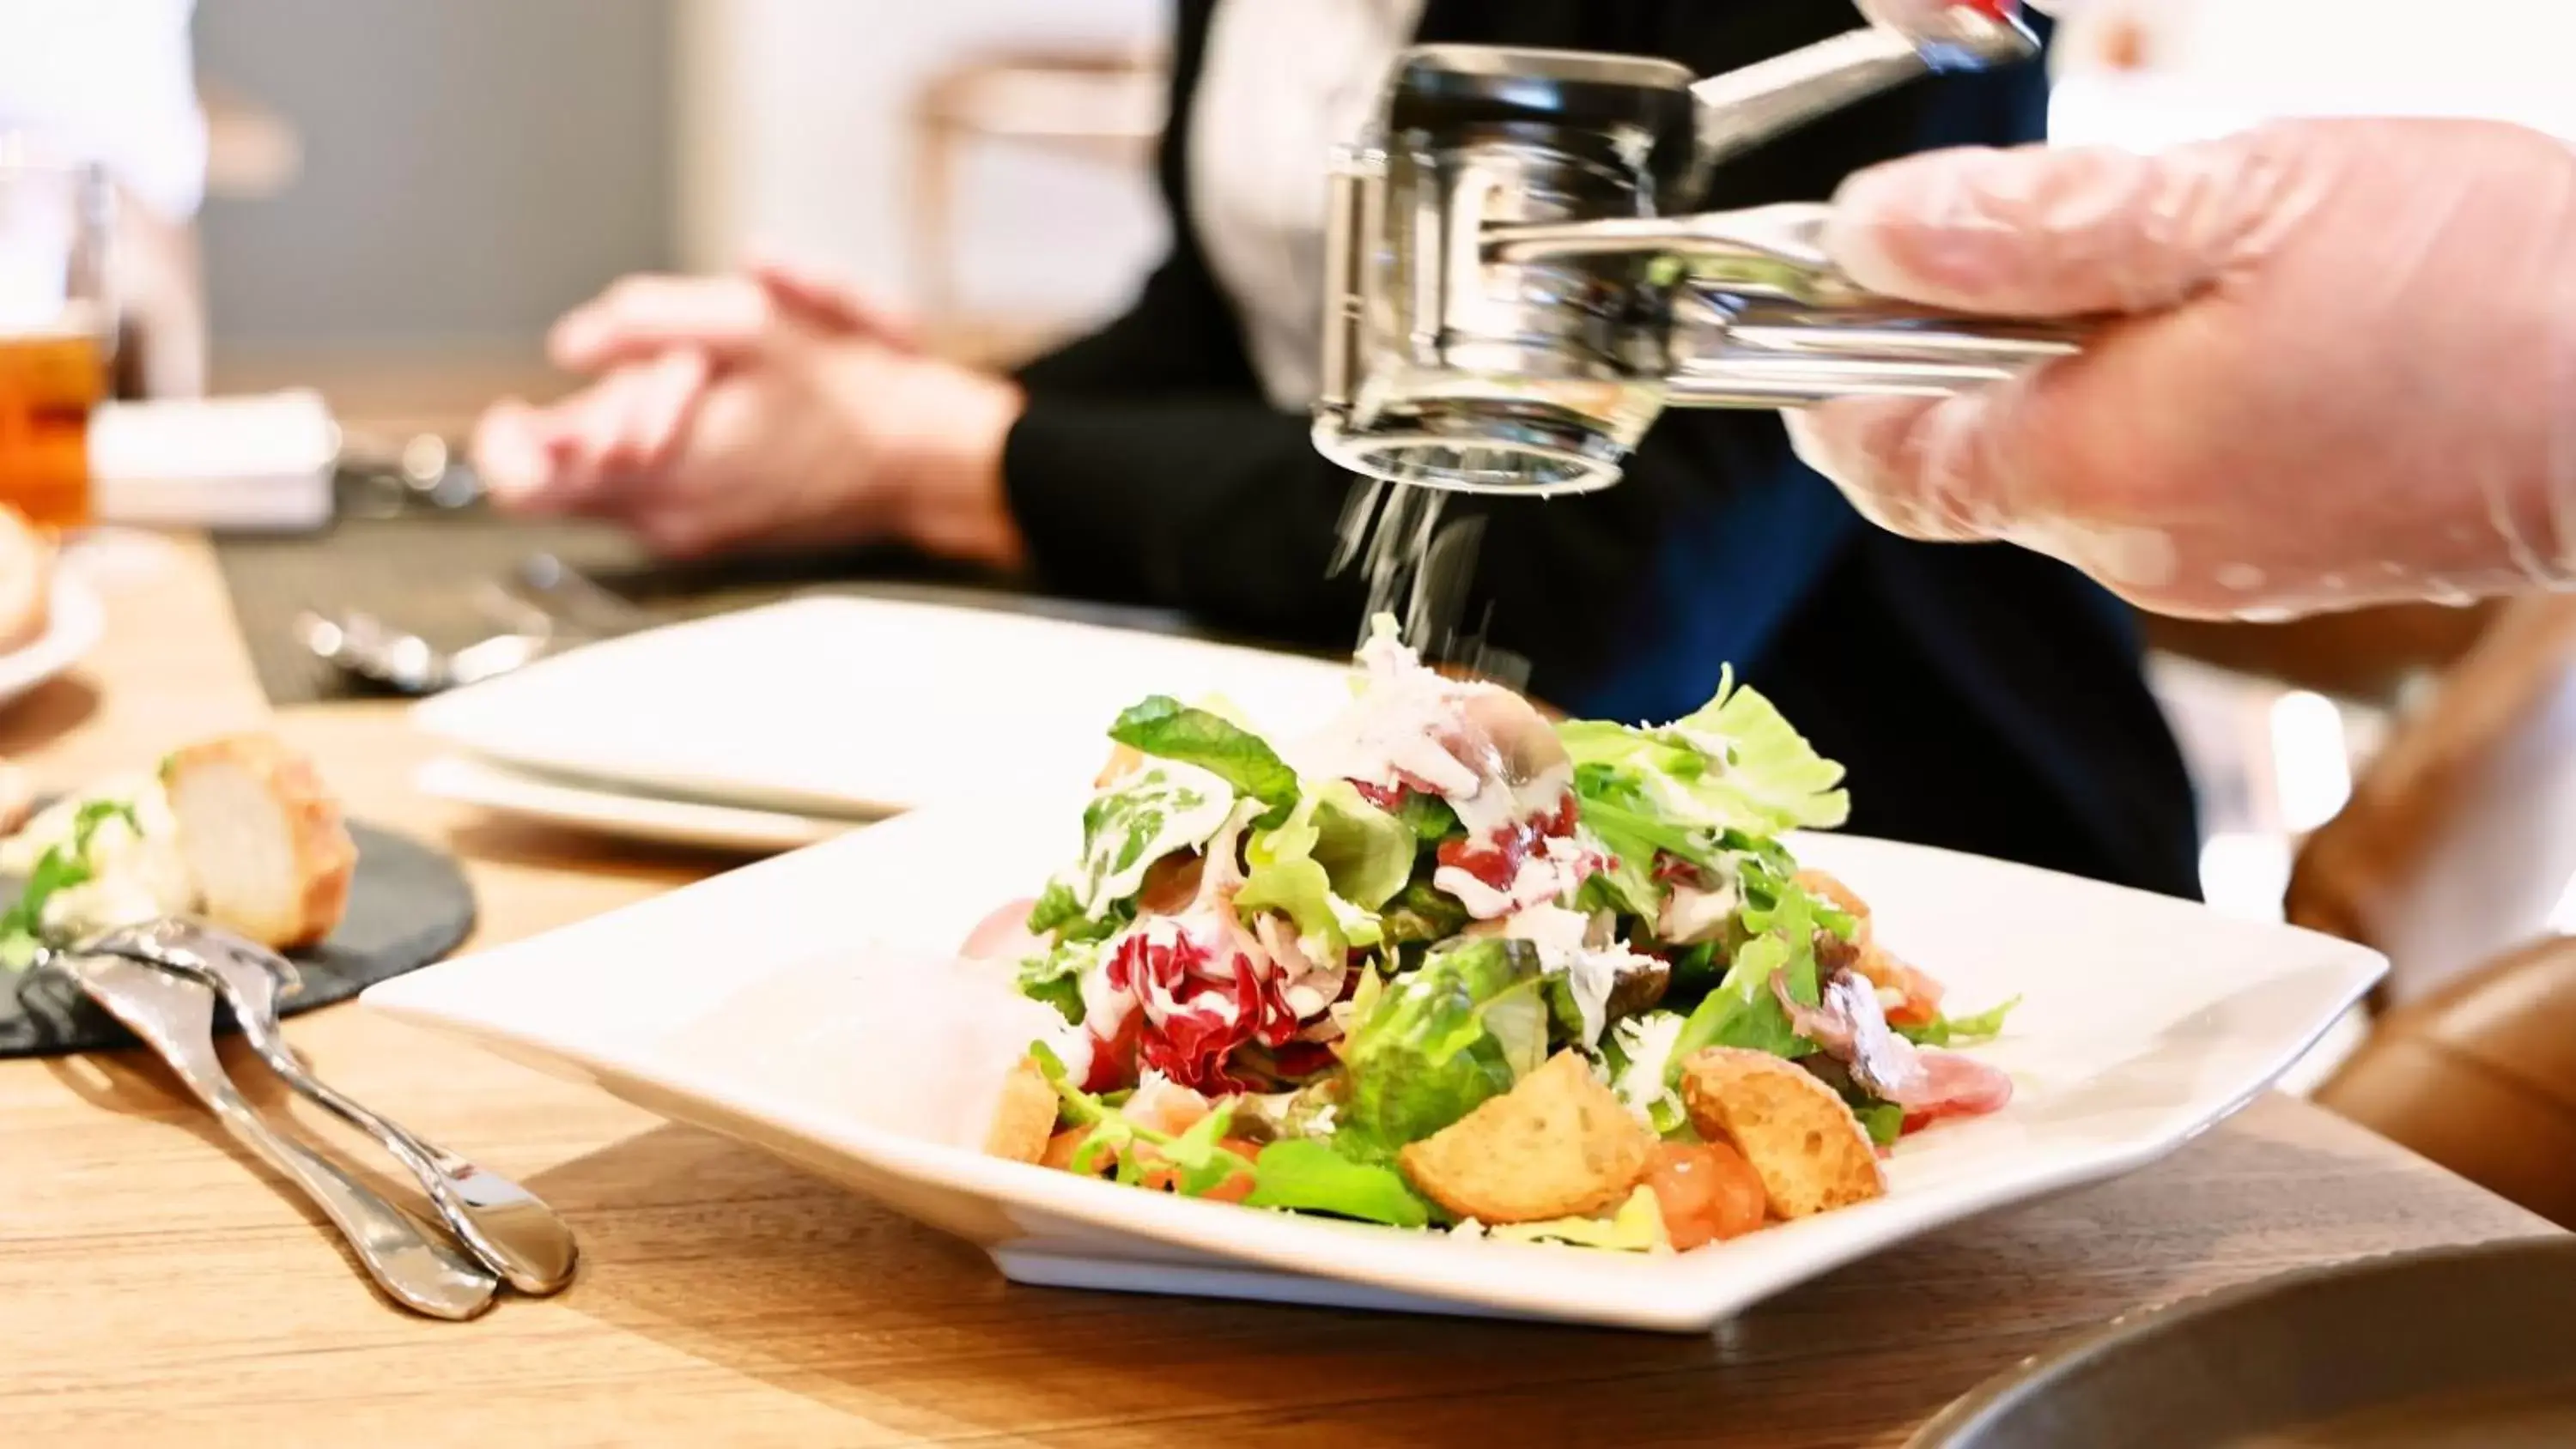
612	811
858	707
76	624
807	1005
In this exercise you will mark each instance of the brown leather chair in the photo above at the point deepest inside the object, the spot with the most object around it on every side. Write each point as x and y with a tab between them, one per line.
2480	1077
2471	1062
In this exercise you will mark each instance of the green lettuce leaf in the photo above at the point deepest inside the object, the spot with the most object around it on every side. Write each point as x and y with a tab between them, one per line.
1158	811
1760	764
1198	1158
1961	1030
1309	1176
1329	865
1430	818
1168	729
1438	1042
1735	764
1056	977
1366	852
1422	913
1884	1121
1743	1011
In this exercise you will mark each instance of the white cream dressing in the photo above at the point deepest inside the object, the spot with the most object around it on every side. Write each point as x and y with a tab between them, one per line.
1692	915
1191	806
1647	1041
1392	729
1574	946
133	877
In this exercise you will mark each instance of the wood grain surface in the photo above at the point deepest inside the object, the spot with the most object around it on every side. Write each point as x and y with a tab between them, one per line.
156	1287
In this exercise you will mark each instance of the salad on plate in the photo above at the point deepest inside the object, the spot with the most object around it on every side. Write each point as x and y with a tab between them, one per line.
1448	964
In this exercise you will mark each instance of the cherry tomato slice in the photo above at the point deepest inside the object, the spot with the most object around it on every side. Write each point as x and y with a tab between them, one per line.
1707	1192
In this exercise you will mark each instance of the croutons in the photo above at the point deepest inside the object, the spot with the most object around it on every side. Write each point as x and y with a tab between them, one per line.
1812	1154
1122	762
1558	1145
262	837
1026	1118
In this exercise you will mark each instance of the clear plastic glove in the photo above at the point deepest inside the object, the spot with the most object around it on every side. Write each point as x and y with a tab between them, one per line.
2340	370
759	411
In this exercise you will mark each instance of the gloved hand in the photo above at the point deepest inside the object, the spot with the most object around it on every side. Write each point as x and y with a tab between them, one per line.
2340	367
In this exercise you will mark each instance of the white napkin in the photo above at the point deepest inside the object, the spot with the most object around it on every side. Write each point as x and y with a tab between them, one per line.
247	464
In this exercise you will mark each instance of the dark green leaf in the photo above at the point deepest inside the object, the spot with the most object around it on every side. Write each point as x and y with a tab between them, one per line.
1422	913
1743	1011
1429	817
1168	729
1056	977
1055	909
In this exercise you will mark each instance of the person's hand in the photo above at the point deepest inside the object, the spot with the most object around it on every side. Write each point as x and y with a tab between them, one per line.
2340	367
746	412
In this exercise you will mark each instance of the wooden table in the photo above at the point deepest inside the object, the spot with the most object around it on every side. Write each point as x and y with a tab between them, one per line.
155	1287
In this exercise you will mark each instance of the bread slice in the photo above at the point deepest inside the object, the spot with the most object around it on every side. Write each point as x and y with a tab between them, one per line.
26	581
1026	1119
1557	1145
262	837
1812	1154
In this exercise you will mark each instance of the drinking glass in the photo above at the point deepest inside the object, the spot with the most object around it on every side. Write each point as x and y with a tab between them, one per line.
57	330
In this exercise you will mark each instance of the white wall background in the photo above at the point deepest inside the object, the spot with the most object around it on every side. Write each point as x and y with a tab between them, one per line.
2219	65
792	119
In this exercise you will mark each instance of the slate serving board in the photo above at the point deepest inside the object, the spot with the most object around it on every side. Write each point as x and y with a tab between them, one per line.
409	905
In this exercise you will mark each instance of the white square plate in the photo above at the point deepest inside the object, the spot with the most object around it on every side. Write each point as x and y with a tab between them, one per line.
807	1005
857	707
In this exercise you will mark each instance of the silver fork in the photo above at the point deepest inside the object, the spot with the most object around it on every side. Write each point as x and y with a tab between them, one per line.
504	1225
370	648
175	1016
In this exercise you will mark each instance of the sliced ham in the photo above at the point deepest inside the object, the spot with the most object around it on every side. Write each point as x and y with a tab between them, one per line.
1004	935
1852	1028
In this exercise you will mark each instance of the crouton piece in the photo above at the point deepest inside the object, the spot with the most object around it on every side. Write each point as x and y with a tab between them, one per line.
262	838
1812	1154
1558	1145
1026	1118
1122	762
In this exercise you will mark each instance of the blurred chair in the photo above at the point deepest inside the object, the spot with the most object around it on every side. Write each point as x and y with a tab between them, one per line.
2454	856
1103	105
2480	1076
2459	841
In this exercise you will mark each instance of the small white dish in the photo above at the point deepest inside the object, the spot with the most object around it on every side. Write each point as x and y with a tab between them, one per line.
809	1005
856	706
625	813
77	623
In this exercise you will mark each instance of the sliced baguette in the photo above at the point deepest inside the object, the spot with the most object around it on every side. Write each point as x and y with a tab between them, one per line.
262	837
